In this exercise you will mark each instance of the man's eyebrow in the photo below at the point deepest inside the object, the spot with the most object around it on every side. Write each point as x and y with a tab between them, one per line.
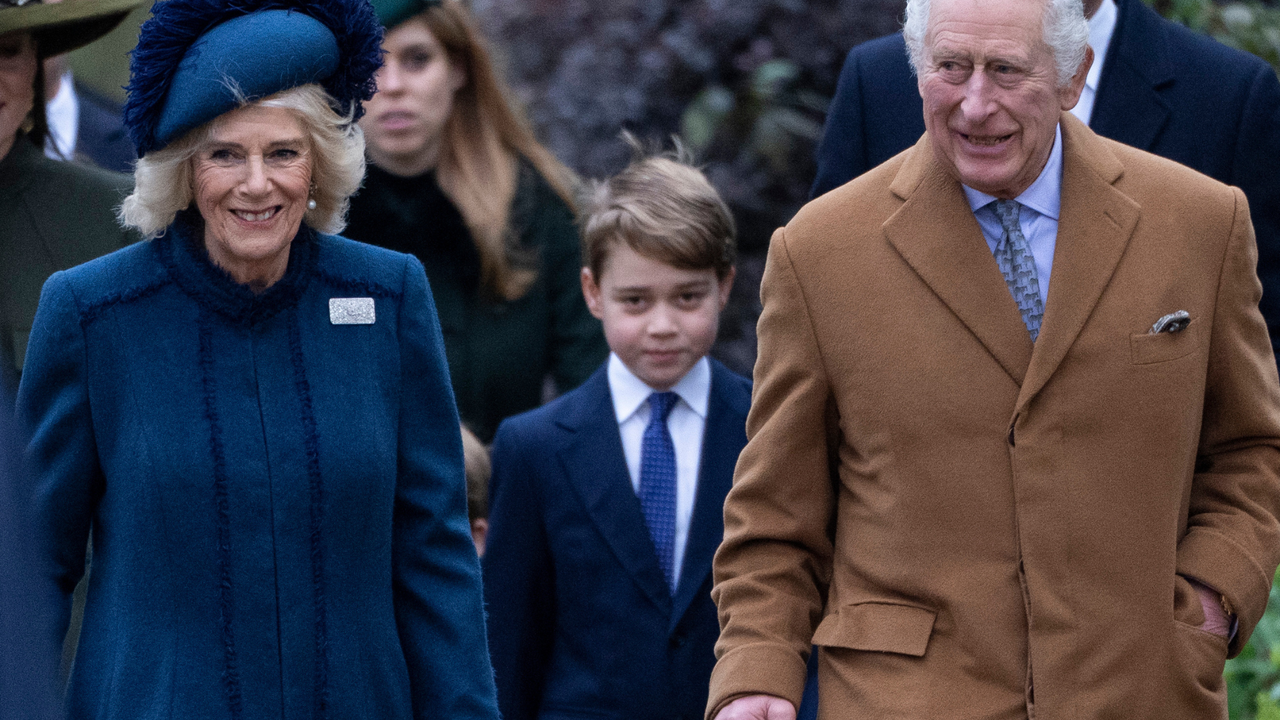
1018	61
946	53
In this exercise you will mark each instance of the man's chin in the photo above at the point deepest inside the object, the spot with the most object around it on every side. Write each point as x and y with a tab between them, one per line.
987	177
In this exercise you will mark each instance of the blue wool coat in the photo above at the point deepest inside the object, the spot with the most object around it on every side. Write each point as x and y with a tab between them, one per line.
277	502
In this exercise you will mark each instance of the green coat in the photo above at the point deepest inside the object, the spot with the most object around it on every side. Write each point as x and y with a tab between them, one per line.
53	215
499	352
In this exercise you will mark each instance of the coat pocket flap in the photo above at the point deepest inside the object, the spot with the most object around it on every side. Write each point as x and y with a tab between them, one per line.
1148	349
878	627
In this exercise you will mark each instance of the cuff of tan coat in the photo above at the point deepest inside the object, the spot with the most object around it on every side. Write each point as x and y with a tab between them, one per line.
757	669
1215	560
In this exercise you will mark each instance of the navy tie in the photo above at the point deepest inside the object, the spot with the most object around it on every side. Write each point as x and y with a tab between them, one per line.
658	482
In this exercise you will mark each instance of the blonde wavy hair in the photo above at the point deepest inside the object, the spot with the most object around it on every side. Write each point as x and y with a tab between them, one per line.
163	184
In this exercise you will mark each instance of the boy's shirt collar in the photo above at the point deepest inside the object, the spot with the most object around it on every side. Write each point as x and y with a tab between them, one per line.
630	392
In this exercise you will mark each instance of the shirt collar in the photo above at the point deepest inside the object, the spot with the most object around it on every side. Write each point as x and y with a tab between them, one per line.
630	392
62	113
1045	194
1101	27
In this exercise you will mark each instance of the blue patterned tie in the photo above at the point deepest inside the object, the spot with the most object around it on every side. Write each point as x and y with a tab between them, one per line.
1018	266
658	482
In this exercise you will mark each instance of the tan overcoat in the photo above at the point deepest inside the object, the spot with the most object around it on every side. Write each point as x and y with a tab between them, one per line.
967	524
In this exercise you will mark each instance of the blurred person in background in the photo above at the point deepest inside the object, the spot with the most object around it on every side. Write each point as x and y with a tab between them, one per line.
251	414
479	466
84	126
458	180
52	215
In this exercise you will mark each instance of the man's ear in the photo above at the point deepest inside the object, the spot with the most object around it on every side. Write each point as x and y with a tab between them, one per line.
1069	94
591	293
725	285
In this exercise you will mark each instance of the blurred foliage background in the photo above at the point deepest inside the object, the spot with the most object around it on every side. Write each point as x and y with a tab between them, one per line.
1253	678
745	83
1250	26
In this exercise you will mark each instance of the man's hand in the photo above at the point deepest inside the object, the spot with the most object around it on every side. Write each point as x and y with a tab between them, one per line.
758	707
1216	620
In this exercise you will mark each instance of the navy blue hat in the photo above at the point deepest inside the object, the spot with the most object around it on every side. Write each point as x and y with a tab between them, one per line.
197	59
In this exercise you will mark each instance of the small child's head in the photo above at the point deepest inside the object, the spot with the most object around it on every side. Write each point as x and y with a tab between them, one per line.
475	458
658	247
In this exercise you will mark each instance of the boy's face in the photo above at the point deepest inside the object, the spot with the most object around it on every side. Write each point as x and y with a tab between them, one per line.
658	319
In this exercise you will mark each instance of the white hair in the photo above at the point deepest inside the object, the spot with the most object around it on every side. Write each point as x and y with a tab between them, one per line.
163	178
1063	28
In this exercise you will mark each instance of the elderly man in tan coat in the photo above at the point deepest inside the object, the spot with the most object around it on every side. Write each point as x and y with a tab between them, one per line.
1015	441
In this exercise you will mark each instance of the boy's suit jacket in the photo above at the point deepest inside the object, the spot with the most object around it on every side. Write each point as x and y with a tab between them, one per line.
581	623
1164	89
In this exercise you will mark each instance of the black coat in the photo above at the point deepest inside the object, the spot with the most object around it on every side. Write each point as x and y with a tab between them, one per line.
53	215
500	352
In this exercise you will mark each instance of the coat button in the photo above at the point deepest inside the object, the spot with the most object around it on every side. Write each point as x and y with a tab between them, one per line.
677	641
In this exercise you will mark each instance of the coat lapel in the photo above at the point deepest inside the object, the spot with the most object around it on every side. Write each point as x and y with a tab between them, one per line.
1094	226
936	233
596	467
1129	107
722	440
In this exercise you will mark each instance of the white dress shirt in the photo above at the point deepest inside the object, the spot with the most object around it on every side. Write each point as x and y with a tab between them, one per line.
62	112
687	422
1038	215
1101	27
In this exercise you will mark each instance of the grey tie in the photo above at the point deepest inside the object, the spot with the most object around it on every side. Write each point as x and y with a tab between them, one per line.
1018	266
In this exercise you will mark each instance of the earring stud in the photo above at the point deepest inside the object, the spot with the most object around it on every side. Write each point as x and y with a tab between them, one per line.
311	203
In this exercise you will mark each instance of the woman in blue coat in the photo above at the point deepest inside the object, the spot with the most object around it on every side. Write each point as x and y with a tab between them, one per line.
253	415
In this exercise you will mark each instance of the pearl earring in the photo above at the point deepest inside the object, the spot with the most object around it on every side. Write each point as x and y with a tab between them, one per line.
311	203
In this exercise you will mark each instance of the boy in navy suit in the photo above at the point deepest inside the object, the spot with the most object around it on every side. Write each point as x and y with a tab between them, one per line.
607	503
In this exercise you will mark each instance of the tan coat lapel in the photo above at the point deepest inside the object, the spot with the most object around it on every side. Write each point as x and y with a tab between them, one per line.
1094	226
936	233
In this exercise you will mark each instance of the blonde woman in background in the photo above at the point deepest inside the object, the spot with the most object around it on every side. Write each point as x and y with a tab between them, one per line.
457	179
